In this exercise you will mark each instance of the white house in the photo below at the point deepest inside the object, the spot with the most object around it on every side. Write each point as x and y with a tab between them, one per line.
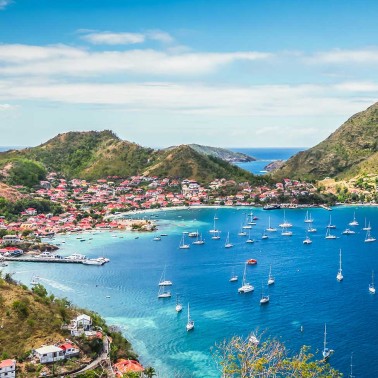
11	239
81	324
8	369
70	350
49	353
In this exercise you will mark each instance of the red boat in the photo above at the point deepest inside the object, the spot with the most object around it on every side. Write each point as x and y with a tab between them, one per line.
251	262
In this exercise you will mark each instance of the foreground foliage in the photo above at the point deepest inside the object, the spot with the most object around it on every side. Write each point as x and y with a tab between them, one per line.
244	358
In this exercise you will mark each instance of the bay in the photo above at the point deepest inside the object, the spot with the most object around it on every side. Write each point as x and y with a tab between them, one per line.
306	292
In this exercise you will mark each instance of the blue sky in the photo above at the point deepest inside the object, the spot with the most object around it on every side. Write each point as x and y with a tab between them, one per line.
235	73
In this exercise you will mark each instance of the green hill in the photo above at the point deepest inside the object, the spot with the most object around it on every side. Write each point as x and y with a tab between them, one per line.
93	155
352	149
222	153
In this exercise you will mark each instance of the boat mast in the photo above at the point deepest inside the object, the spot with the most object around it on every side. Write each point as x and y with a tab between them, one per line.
325	337
340	270
351	366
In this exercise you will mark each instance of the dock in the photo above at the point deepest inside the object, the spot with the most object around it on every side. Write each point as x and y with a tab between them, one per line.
42	259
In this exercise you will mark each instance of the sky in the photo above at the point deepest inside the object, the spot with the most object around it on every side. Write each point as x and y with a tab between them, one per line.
235	73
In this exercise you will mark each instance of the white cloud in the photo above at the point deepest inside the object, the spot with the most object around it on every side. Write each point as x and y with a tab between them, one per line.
66	60
108	38
124	38
7	107
4	3
360	56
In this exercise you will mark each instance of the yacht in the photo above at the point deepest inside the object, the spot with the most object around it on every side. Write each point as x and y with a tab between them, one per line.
367	227
330	225
163	281
214	230
354	221
163	293
285	223
194	234
199	240
308	218
216	236
369	238
264	298
97	262
326	351
264	236
286	232
234	277
310	228
76	256
329	235
182	243
348	231
249	240
307	240
157	238
270	228
178	304
246	287
371	286
270	277
228	244
190	323
339	276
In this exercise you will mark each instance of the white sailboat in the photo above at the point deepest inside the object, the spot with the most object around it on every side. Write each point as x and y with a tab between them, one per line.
234	277
285	223
307	240
351	367
163	281
348	231
270	228
247	225
190	323
326	351
340	276
246	286
369	238
249	240
264	236
183	245
157	238
163	293
354	221
329	235
308	218
264	298
228	244
371	286
199	240
366	227
286	232
310	228
178	307
35	280
270	277
214	230
330	225
242	232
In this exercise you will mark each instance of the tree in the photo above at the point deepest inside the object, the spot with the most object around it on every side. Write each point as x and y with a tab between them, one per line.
149	372
244	358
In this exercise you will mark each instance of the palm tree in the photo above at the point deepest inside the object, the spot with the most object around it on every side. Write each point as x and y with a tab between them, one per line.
149	372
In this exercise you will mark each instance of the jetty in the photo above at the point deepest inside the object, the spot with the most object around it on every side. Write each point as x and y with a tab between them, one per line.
41	259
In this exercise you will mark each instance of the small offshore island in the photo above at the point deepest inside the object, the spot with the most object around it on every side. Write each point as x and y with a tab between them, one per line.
82	183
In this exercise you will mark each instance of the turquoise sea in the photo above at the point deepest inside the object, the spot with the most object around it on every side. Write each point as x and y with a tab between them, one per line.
306	292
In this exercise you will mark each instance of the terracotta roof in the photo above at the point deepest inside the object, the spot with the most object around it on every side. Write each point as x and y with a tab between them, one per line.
124	366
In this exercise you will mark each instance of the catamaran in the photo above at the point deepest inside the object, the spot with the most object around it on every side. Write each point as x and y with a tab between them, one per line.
246	287
270	277
285	223
326	351
371	286
354	221
182	242
340	276
228	244
308	218
270	228
307	240
163	281
329	235
178	304
368	237
190	324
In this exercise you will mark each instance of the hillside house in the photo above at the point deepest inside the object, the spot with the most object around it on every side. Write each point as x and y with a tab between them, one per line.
70	350
8	368
49	353
11	239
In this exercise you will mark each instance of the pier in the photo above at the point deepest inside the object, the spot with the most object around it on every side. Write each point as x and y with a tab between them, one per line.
42	259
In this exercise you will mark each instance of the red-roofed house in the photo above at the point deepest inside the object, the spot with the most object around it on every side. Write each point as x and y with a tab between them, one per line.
126	366
8	368
70	350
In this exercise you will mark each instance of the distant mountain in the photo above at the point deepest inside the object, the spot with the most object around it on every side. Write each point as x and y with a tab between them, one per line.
351	150
94	154
222	153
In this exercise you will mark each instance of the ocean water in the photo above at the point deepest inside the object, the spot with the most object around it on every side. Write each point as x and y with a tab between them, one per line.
265	156
306	292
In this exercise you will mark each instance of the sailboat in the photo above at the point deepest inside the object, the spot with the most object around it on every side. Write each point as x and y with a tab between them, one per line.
242	232
163	293
270	277
249	240
351	367
228	244
264	298
310	228
246	287
307	240
247	225
368	237
285	223
264	235
270	228
163	281
339	276
329	235
371	286
216	236
190	324
234	277
348	231
354	221
35	280
182	242
367	227
326	351
286	232
199	240
214	230
330	225
178	304
308	218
